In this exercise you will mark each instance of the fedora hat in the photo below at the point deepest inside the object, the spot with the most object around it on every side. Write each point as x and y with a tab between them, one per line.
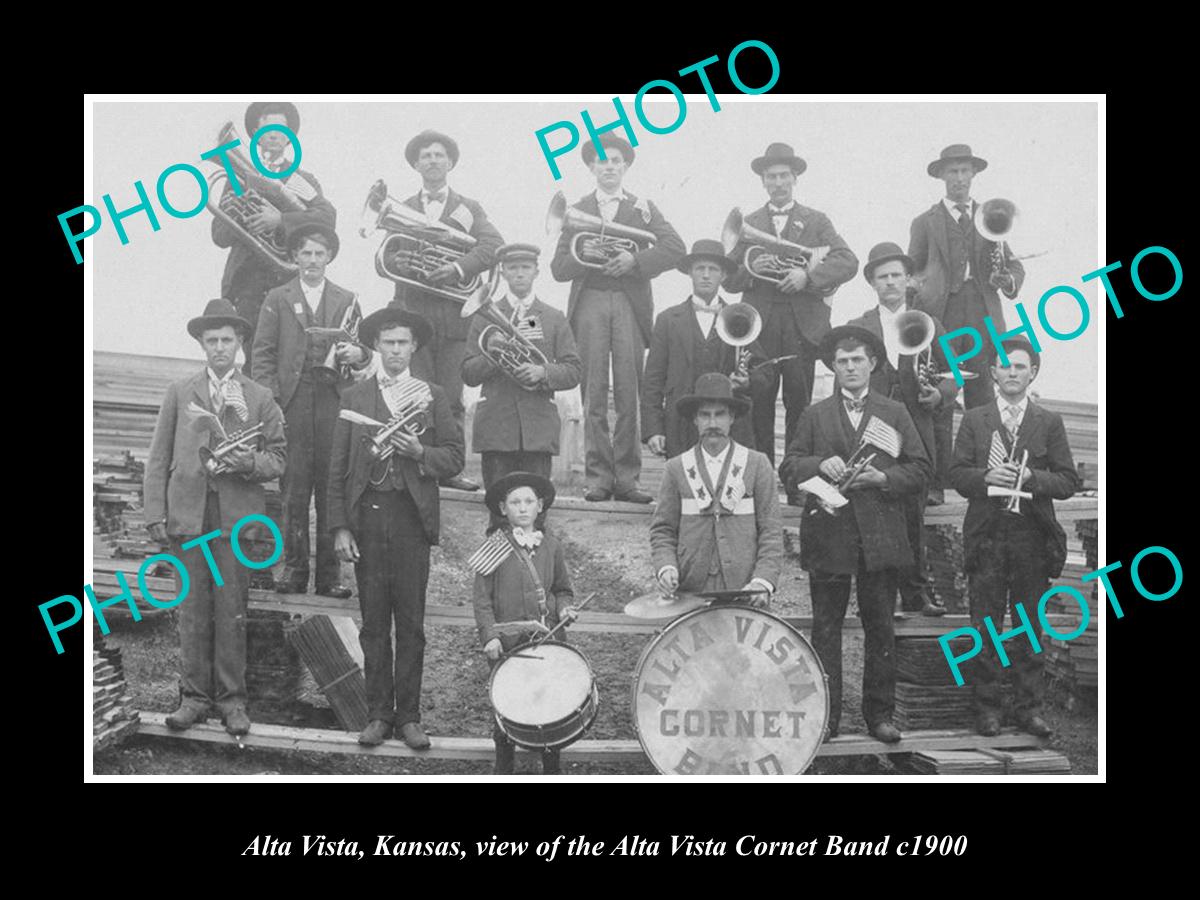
886	252
707	249
829	343
712	387
301	232
424	139
608	141
391	315
218	314
256	111
953	153
779	154
502	486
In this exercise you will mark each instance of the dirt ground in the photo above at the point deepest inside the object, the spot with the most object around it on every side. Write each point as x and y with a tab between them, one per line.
602	558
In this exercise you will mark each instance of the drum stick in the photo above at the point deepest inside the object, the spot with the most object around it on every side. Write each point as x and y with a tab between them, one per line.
550	633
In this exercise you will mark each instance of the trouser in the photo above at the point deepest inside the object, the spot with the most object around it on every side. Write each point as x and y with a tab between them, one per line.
912	580
440	361
781	337
212	619
605	326
308	425
392	574
966	308
506	755
1010	571
876	602
497	464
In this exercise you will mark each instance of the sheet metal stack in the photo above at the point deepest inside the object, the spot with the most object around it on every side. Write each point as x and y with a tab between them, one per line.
989	762
329	647
113	716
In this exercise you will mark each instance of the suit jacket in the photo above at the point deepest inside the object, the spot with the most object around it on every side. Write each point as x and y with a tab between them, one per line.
672	368
280	344
1054	477
810	229
175	484
467	215
668	249
508	417
508	594
244	271
874	520
350	466
901	384
929	248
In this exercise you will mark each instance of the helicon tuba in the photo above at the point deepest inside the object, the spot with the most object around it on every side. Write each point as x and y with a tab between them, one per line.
501	341
595	242
769	258
914	332
739	325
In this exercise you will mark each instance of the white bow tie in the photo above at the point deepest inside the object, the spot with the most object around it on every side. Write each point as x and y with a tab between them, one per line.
530	540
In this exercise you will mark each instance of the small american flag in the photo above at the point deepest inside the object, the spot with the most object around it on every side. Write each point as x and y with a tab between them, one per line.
530	328
493	551
231	395
880	434
997	454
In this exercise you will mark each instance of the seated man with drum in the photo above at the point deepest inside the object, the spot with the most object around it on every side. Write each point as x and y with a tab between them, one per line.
522	589
717	525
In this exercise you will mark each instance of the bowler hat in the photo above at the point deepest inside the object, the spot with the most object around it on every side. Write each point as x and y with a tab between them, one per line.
712	387
218	314
256	111
392	315
777	155
886	252
609	142
953	153
298	235
514	252
828	346
707	249
502	486
424	139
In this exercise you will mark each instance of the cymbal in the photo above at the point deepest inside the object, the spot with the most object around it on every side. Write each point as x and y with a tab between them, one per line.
731	596
655	606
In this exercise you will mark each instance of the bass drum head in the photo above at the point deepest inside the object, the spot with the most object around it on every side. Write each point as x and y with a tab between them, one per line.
544	690
730	690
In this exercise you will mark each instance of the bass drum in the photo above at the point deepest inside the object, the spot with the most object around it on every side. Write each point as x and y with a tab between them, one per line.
544	695
730	690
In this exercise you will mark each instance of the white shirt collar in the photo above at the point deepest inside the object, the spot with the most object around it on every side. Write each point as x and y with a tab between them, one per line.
228	376
312	290
711	460
716	304
602	196
781	210
444	189
859	396
1021	407
953	209
520	306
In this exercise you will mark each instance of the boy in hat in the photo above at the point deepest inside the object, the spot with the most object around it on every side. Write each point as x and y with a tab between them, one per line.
291	362
248	277
867	540
687	343
610	311
185	505
516	425
522	586
717	525
795	311
384	514
434	155
1012	550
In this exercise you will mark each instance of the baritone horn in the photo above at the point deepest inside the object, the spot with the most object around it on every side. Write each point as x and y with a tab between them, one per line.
347	332
501	341
739	325
914	332
769	258
595	242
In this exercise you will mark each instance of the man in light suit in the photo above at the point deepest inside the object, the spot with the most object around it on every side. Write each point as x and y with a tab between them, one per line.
185	503
290	362
610	310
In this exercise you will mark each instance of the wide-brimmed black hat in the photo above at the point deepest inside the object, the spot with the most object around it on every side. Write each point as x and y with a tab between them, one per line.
953	153
608	141
424	139
256	111
886	252
712	387
301	232
218	314
707	249
502	486
390	315
829	343
776	155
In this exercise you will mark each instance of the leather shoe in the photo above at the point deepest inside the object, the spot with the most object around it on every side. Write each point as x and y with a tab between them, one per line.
412	735
988	725
236	721
339	591
459	483
634	496
831	731
186	716
886	732
376	732
597	495
1035	725
291	583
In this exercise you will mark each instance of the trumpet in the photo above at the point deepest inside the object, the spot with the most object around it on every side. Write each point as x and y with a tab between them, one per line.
330	371
769	258
501	341
994	220
214	459
411	419
595	242
739	325
426	244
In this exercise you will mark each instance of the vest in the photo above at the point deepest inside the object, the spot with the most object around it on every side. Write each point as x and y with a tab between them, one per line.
962	249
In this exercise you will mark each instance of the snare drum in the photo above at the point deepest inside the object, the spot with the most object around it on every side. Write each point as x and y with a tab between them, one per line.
730	690
544	695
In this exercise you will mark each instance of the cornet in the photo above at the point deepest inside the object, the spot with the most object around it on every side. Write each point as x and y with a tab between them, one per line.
739	325
330	371
769	258
596	242
515	350
214	459
412	419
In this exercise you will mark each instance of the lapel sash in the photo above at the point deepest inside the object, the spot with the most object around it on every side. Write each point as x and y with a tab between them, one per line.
730	487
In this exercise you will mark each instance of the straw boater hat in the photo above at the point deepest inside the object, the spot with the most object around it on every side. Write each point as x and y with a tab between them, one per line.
779	154
389	316
829	343
217	314
608	141
256	111
424	139
500	489
301	232
886	252
706	249
954	153
712	387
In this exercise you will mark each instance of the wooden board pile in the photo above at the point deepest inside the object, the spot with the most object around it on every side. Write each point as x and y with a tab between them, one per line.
944	566
273	669
329	647
113	716
116	487
989	762
1074	664
926	695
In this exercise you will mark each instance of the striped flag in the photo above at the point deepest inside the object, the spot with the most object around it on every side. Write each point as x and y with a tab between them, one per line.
997	454
233	397
529	328
493	551
880	434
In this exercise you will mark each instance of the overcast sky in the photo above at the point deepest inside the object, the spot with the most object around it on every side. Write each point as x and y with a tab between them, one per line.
866	171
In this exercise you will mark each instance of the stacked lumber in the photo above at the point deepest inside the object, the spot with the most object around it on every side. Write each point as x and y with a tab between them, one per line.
116	487
329	647
114	717
989	762
1074	664
926	695
273	669
944	566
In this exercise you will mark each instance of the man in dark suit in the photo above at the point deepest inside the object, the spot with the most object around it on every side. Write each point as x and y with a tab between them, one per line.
290	362
795	310
434	155
610	310
185	502
516	426
897	377
867	538
685	345
384	515
1011	554
248	276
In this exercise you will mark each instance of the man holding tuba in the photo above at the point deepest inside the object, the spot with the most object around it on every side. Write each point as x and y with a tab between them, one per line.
249	272
611	308
521	351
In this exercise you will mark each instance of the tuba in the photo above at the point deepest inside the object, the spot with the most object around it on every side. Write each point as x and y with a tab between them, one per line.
595	242
213	459
994	221
501	341
257	192
329	371
739	325
769	258
428	244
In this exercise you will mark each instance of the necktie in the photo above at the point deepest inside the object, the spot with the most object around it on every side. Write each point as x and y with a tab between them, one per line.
608	207
435	198
1011	416
530	540
854	406
964	219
